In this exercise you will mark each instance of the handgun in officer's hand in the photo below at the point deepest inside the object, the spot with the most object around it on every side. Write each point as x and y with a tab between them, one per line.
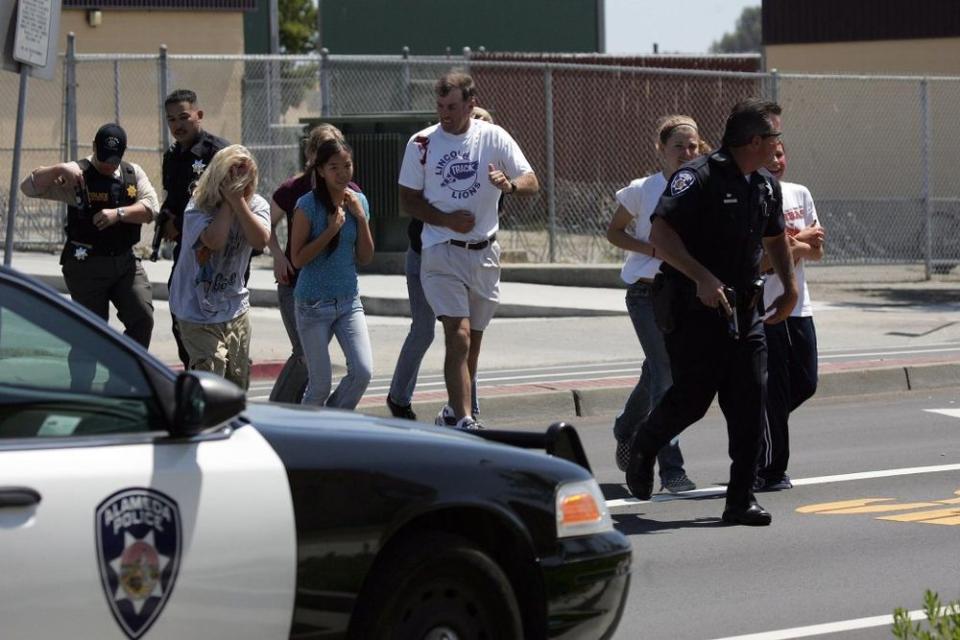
81	196
158	231
733	324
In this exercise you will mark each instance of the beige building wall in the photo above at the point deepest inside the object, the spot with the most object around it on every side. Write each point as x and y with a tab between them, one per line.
144	31
929	56
138	101
856	138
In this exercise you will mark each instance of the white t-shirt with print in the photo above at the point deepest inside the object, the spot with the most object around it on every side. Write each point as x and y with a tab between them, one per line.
208	286
798	213
640	198
452	170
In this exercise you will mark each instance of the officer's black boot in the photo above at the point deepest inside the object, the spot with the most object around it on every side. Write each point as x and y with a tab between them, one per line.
640	473
750	514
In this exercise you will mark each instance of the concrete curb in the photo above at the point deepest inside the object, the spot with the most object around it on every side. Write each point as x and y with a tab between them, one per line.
382	306
571	403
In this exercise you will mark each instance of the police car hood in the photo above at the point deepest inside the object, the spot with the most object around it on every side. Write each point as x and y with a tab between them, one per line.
321	427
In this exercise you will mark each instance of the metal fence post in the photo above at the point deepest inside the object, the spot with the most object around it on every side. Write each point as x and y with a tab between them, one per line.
162	80
71	62
774	86
925	140
116	91
551	149
407	89
324	82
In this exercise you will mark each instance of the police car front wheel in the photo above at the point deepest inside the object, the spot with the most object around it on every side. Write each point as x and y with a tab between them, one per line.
437	585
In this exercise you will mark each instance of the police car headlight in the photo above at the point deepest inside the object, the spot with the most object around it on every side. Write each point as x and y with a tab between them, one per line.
581	509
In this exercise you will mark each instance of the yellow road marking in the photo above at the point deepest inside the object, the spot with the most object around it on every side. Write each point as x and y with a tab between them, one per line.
843	504
949	516
921	516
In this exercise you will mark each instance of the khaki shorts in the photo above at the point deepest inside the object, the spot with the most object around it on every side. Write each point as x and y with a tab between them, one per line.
462	283
223	348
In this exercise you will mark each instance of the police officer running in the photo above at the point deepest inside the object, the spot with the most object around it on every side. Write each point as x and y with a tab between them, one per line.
711	226
108	200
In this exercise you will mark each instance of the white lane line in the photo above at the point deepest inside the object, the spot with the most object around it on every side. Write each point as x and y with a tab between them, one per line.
487	380
846	477
953	413
827	627
873	354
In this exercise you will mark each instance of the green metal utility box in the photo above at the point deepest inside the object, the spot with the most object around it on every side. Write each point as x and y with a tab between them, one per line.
378	142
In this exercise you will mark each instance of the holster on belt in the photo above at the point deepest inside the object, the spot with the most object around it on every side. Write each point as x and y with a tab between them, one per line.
665	302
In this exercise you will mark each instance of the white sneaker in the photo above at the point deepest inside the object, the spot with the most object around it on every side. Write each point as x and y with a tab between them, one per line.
446	417
467	423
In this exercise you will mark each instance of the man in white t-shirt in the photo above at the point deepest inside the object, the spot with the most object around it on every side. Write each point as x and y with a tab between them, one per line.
791	344
451	178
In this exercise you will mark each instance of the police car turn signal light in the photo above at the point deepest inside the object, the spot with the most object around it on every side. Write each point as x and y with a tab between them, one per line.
581	510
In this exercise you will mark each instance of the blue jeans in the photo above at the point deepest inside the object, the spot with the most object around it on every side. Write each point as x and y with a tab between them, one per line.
655	378
422	327
292	380
317	323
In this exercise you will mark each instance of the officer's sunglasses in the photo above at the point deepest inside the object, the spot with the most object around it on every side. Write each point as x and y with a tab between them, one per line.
772	134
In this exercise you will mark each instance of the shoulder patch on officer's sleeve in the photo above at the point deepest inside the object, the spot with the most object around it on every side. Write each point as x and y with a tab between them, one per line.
681	181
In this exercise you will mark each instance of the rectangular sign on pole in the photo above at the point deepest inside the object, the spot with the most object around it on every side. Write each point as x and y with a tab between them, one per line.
32	40
29	35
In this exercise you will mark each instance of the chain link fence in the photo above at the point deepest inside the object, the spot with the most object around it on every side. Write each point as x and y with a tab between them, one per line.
876	152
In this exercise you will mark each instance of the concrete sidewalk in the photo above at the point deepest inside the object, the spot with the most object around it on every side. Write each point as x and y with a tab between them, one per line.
860	309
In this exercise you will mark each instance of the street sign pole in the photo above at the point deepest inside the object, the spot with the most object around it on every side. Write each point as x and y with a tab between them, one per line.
35	25
15	169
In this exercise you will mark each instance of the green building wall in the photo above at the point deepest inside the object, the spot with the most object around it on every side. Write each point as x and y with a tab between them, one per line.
428	27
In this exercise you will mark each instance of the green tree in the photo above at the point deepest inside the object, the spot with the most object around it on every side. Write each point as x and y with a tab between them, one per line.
298	26
747	36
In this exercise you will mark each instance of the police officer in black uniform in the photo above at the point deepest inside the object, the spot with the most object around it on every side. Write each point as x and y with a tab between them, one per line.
716	217
109	199
183	163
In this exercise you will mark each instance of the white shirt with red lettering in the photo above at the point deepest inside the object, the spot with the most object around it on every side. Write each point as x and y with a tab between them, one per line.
798	213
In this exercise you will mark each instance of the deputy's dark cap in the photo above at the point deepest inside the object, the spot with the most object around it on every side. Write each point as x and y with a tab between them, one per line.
110	143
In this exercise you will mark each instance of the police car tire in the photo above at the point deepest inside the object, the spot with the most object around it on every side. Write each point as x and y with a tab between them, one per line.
436	581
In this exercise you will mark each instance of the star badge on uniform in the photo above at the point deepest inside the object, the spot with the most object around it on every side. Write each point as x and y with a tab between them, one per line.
198	167
80	253
131	191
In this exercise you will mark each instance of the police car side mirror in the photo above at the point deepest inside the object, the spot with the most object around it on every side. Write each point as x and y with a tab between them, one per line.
204	400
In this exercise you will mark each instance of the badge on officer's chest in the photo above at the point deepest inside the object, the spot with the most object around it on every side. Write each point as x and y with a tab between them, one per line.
131	191
198	167
80	254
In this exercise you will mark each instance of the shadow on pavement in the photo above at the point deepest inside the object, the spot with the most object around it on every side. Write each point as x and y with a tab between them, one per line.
906	297
629	524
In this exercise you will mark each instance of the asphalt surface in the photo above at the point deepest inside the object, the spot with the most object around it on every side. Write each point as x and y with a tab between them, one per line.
889	353
695	578
880	328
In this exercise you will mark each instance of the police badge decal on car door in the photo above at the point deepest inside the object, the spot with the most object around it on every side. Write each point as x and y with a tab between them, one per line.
138	554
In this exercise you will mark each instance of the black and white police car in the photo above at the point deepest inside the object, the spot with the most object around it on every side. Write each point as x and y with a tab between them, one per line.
138	503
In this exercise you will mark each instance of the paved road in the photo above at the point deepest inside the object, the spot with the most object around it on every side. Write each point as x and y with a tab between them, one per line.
625	372
695	578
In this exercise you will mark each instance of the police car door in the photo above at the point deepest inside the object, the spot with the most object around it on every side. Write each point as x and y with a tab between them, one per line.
109	528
